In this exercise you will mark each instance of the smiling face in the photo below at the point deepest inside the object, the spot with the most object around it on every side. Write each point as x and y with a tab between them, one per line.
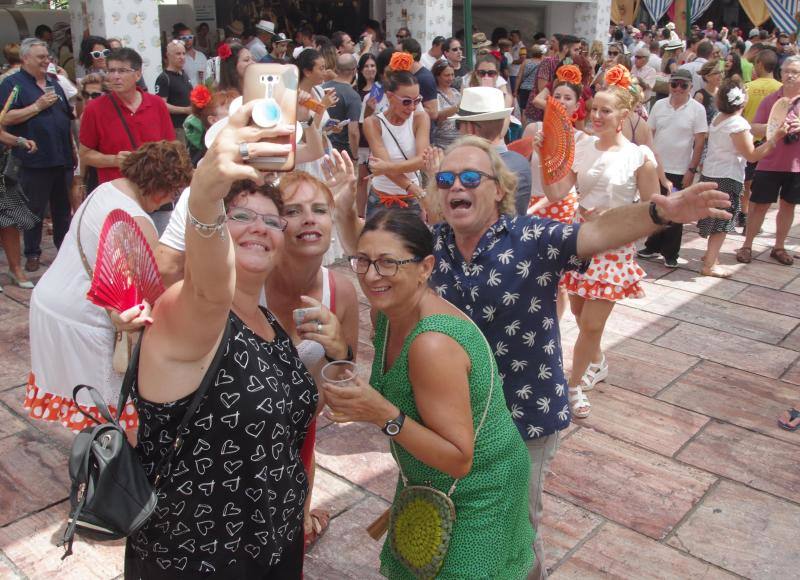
387	293
36	60
310	222
245	59
445	79
407	94
98	63
369	70
607	115
470	211
257	247
487	74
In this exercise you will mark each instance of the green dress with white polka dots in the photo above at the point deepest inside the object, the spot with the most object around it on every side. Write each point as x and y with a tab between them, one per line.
492	535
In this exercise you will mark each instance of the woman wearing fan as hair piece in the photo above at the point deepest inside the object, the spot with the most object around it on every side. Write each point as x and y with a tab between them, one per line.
72	340
567	91
237	473
609	171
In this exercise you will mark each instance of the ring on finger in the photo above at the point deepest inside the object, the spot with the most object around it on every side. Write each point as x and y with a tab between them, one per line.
244	152
319	328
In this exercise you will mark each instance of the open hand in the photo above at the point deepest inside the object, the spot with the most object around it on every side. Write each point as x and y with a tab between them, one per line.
697	201
340	176
432	157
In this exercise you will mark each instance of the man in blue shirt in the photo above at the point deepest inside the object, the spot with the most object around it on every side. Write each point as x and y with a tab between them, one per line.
40	112
503	272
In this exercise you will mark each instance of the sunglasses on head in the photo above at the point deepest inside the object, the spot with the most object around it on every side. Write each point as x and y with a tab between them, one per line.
486	73
408	101
470	178
679	84
100	53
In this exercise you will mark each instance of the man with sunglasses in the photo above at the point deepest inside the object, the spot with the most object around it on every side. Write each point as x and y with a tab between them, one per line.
195	64
503	271
679	128
117	123
569	49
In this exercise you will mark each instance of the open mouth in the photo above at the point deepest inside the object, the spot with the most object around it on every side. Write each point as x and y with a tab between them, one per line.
257	246
460	204
310	236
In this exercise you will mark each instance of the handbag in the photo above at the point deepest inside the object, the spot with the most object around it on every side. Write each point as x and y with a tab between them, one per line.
422	517
11	165
111	496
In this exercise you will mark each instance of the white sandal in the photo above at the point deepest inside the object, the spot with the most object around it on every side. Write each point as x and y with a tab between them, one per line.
578	400
595	373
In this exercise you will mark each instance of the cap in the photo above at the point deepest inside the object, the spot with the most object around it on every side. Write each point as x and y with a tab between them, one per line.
681	74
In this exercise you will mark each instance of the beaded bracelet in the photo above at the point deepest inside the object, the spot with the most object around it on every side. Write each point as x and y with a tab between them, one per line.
208	230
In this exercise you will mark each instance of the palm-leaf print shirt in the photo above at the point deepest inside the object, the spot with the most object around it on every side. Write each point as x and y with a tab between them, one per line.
509	288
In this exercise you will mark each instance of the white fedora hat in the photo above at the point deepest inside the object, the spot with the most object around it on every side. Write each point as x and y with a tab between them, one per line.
482	104
266	26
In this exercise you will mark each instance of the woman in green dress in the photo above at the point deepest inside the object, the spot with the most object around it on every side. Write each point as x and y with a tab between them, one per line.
434	384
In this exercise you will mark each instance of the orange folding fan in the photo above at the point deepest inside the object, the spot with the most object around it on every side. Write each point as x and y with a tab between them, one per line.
125	272
558	143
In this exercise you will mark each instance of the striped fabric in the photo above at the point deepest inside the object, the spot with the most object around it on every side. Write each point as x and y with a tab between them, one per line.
657	8
698	8
783	14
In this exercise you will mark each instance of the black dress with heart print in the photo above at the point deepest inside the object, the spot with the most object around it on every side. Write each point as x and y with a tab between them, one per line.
233	501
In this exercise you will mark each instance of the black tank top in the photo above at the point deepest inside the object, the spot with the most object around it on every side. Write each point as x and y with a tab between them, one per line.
234	497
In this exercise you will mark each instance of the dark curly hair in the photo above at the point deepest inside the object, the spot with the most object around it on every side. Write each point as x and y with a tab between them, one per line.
87	44
158	166
245	187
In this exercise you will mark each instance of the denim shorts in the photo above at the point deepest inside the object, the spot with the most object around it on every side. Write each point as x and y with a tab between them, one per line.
374	204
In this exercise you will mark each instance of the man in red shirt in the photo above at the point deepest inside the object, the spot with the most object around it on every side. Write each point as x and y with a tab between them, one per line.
106	140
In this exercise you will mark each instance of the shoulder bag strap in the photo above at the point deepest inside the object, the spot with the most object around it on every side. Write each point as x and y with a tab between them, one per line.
483	416
396	142
209	379
124	124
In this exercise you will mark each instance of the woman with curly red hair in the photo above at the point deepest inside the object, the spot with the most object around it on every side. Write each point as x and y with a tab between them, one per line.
609	171
72	340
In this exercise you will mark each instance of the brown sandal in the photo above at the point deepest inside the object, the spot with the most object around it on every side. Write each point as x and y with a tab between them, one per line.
744	255
782	256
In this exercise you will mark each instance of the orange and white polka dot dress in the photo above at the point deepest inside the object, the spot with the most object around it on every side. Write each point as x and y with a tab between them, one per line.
607	179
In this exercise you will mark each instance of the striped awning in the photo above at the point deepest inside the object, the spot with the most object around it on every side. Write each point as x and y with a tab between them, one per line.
783	13
698	8
657	8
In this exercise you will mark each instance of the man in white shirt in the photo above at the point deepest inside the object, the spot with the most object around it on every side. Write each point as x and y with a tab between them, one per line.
428	59
704	50
195	64
679	132
752	37
655	60
264	32
644	72
518	55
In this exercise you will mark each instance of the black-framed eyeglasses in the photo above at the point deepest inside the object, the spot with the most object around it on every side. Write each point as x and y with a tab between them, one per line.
100	53
245	215
679	84
470	178
486	73
384	267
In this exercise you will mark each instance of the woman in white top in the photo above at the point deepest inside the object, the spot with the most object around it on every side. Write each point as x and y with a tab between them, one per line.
730	147
72	340
609	172
397	139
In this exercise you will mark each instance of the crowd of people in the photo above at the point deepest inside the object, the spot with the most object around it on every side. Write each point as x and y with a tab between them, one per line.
427	175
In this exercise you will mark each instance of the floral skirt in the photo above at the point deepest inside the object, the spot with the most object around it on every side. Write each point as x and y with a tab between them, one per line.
611	275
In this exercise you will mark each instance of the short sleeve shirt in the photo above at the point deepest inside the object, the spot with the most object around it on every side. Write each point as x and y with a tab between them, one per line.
546	72
348	107
49	129
674	132
785	156
509	289
102	129
427	84
175	88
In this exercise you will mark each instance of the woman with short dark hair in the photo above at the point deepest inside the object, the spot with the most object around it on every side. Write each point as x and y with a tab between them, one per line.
72	340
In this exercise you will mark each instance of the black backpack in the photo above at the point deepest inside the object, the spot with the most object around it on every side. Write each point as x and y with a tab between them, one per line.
111	496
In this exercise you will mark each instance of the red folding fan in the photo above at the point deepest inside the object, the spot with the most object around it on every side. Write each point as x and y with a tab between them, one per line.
125	273
558	143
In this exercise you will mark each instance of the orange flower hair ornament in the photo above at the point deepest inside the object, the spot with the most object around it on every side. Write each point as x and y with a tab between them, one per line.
619	76
569	73
200	96
401	61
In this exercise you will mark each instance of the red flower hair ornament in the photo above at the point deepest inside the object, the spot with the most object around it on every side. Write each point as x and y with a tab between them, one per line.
224	51
200	96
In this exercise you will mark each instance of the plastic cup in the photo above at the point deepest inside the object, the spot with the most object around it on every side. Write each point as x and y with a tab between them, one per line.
340	373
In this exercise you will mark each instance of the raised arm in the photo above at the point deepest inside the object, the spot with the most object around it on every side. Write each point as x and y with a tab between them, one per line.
743	142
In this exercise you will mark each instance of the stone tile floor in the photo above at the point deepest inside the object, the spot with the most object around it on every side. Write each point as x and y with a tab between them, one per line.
680	472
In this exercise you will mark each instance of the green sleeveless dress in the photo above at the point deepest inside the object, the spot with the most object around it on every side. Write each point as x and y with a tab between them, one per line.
492	536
